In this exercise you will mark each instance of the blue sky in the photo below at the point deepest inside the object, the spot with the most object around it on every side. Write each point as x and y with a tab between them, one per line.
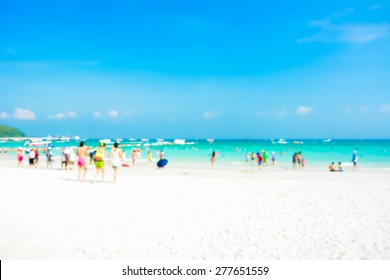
196	69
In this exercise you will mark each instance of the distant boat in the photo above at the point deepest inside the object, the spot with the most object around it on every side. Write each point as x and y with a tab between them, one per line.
160	140
327	140
76	138
38	143
298	142
105	141
282	141
64	138
144	140
179	141
118	140
210	140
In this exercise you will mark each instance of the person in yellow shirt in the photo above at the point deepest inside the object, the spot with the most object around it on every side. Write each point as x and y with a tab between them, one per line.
99	161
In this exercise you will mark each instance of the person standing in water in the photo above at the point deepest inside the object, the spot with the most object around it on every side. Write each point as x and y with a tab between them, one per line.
81	162
273	158
213	158
355	159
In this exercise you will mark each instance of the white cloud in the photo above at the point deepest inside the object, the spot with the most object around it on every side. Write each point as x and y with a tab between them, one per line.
3	115
97	114
282	113
359	33
303	110
113	114
24	114
60	116
209	115
71	114
385	108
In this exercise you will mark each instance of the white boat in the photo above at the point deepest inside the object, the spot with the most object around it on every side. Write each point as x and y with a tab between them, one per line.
38	143
106	141
76	138
282	141
210	140
118	140
144	140
179	141
64	138
160	140
327	140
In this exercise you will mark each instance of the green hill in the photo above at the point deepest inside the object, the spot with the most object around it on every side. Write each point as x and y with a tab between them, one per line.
7	131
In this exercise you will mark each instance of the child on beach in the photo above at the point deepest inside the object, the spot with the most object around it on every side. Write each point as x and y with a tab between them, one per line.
340	168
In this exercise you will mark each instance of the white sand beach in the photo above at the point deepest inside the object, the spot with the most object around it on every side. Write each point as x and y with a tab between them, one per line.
194	213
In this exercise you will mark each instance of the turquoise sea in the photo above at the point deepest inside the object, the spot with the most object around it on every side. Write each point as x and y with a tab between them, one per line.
318	153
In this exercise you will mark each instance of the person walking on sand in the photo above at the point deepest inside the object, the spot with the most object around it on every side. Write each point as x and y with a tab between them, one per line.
99	161
273	159
116	156
133	156
295	160
355	159
265	158
81	162
259	160
19	156
213	158
32	158
49	158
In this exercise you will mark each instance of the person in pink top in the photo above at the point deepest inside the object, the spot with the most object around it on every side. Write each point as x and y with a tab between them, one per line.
19	156
81	162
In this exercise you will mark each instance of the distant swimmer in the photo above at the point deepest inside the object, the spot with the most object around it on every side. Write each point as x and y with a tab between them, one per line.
81	162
